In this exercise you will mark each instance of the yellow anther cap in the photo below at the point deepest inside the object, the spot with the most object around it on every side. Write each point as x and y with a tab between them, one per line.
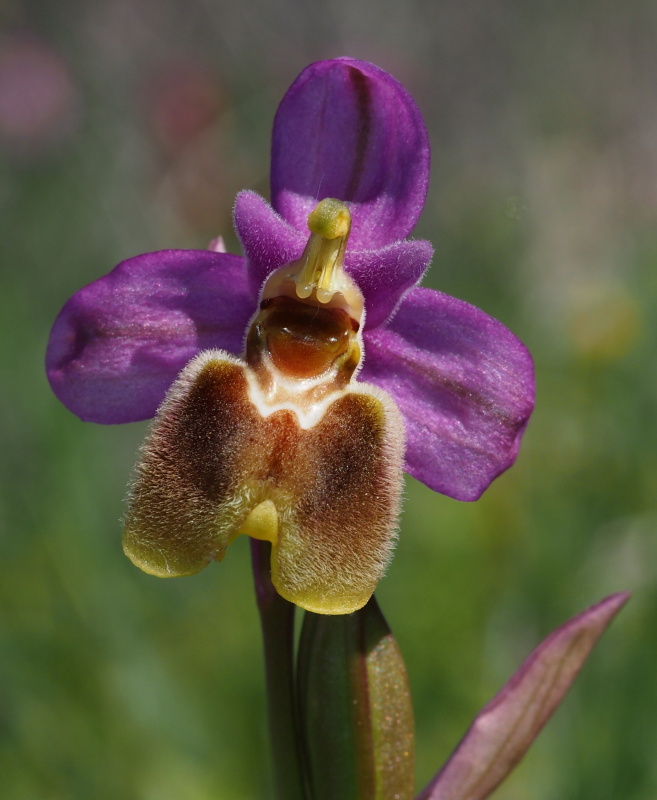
330	219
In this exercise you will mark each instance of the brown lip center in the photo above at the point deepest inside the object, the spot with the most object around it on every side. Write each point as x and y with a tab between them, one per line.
305	340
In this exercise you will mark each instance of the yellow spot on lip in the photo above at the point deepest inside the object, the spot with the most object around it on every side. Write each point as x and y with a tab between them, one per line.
262	522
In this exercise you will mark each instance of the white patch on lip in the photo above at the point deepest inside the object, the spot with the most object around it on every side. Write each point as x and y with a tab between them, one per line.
308	414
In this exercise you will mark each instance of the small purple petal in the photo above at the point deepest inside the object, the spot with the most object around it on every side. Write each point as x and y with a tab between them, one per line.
119	343
384	275
464	383
503	731
347	129
268	240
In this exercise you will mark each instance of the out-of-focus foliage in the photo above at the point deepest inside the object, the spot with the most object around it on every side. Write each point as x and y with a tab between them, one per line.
128	126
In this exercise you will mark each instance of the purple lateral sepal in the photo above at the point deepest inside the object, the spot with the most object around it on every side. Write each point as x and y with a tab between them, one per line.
504	729
347	129
119	343
464	383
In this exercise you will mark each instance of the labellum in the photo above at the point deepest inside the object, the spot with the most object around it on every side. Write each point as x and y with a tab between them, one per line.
283	445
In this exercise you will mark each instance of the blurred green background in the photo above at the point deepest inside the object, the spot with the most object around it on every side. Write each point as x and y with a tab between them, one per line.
128	126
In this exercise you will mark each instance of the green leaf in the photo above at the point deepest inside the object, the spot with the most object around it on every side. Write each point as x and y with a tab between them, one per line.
356	711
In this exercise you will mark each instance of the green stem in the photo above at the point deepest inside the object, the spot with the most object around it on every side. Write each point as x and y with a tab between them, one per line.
277	621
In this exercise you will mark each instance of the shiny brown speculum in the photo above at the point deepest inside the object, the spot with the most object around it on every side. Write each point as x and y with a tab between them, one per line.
303	341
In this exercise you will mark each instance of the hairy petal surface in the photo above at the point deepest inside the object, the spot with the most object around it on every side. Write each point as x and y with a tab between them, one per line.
119	343
345	479
347	129
182	511
268	240
327	497
503	731
382	275
464	383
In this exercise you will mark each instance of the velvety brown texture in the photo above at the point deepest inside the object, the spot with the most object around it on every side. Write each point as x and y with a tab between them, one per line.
211	458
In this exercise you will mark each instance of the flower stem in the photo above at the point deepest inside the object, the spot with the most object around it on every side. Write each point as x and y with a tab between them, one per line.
277	622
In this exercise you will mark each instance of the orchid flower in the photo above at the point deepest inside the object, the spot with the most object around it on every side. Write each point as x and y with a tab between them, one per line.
290	387
295	383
